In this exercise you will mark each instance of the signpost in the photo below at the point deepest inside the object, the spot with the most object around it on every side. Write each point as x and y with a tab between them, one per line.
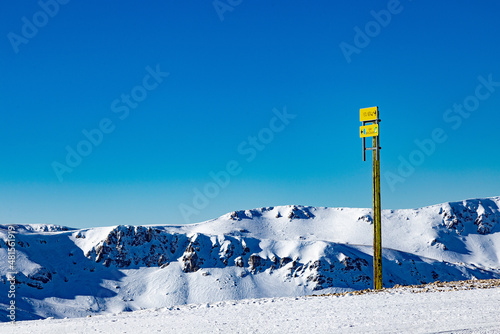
371	115
368	130
368	114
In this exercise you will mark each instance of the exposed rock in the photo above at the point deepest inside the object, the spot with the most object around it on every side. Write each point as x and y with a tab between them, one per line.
127	246
190	262
483	213
366	218
254	262
300	213
42	275
238	262
284	261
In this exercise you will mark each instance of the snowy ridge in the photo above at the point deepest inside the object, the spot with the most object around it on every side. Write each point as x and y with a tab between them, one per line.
38	228
267	252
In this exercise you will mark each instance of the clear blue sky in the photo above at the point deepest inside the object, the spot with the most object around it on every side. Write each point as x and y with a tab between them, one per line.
80	67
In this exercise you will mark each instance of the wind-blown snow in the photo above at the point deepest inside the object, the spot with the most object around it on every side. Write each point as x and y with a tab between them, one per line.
286	251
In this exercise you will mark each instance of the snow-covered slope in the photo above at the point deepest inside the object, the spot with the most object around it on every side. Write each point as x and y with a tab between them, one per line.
462	311
267	252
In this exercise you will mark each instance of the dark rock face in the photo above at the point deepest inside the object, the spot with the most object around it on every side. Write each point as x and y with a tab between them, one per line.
42	275
284	261
300	213
296	212
247	214
37	279
254	262
238	262
353	264
190	262
460	217
366	218
486	222
129	246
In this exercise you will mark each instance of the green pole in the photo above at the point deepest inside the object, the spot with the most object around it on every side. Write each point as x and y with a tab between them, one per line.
377	219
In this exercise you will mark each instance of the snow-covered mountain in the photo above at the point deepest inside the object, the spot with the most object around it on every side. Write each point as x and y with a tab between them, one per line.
267	252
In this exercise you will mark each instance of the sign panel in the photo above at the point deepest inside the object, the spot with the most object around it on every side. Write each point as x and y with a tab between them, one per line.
368	131
368	114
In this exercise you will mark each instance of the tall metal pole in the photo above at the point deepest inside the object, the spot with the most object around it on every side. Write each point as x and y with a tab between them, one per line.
377	218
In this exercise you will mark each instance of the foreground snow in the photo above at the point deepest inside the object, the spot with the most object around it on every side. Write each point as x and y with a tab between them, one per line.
399	310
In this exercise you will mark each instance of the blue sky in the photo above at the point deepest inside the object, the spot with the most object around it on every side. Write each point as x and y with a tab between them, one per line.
236	69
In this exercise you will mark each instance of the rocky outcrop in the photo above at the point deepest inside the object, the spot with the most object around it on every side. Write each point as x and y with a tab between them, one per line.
238	262
136	246
255	262
37	279
291	212
461	217
300	213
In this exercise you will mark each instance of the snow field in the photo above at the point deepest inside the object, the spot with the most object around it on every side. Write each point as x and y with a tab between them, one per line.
391	311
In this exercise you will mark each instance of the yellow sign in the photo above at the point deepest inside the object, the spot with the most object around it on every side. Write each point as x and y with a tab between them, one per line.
368	131
368	114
